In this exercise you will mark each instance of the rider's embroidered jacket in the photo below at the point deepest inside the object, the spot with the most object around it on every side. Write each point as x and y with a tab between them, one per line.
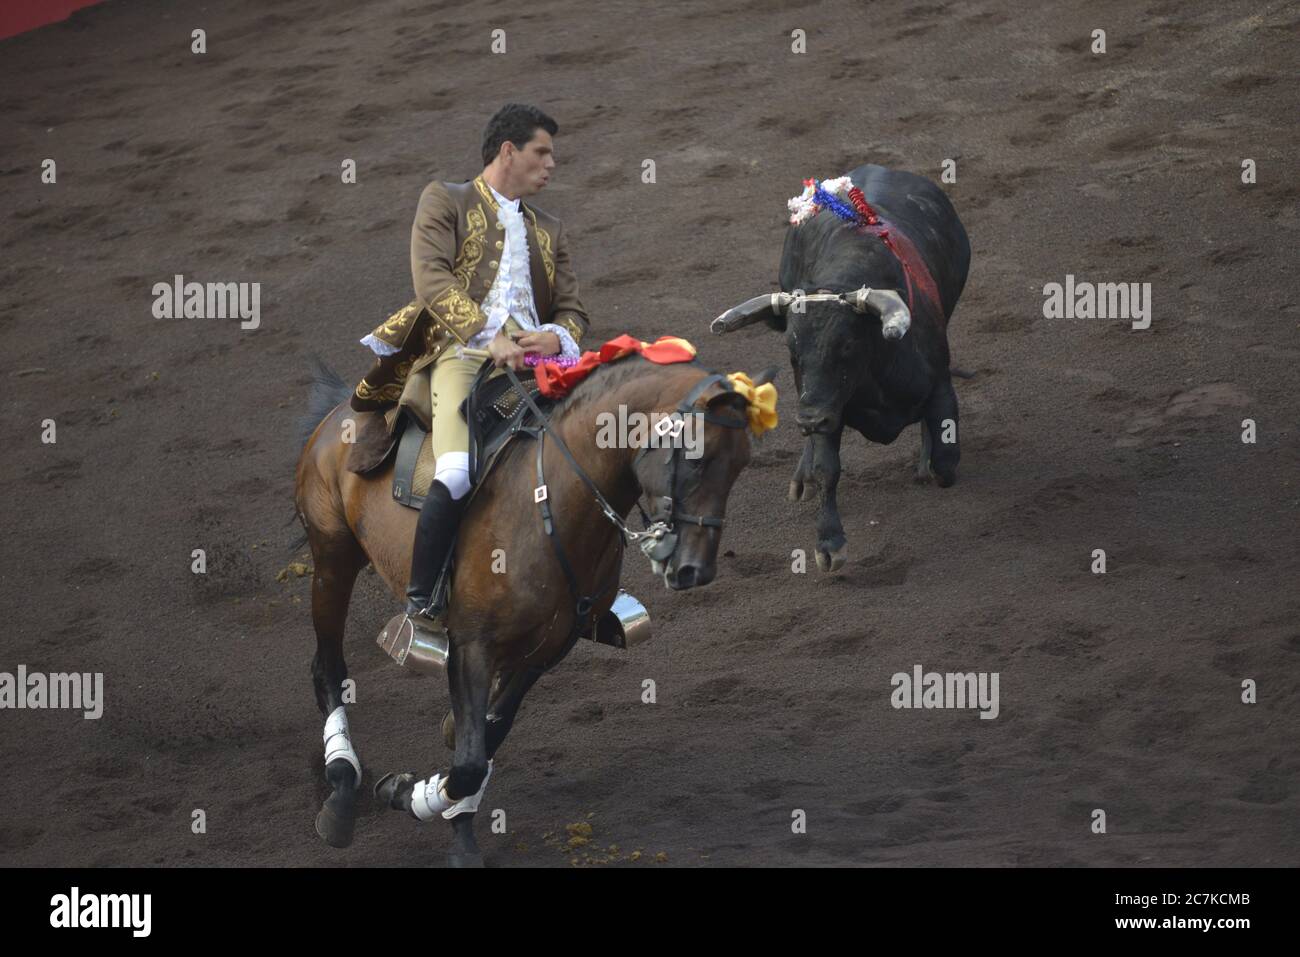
455	251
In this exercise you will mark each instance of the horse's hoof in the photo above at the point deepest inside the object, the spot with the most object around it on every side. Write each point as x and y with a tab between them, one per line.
335	828
832	560
465	859
389	788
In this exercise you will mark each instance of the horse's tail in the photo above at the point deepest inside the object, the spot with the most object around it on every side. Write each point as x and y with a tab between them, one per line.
327	391
301	540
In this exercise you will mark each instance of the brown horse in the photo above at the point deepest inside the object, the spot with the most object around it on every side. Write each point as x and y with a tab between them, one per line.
506	629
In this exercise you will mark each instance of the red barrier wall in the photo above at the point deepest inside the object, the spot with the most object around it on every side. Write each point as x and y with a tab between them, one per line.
19	16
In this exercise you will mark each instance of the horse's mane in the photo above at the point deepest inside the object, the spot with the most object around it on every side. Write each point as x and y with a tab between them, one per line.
611	375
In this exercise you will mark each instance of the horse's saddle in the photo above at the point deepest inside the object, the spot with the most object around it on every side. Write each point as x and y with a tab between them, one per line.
495	413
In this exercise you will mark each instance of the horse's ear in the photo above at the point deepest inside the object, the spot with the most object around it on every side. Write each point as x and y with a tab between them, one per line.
718	396
766	376
734	404
725	396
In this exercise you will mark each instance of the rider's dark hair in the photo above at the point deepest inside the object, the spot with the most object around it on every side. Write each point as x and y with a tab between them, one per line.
516	122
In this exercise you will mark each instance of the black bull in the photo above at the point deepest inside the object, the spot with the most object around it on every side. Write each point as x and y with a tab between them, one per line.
846	371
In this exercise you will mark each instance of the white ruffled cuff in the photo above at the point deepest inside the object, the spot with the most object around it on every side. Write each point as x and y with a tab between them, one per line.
379	347
568	348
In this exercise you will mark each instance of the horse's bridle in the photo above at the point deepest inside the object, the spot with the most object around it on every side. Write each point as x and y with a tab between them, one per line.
658	540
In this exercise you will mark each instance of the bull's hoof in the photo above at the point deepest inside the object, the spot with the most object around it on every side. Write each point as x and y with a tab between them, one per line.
946	478
803	490
449	731
335	823
923	475
832	560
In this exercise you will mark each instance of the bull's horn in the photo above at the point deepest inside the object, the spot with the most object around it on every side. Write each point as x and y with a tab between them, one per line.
857	299
751	311
895	319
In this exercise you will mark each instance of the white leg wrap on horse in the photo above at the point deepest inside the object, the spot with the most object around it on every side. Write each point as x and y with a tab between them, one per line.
452	470
337	742
468	805
429	798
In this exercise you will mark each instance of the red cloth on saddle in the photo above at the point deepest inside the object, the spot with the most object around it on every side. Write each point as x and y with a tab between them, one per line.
555	382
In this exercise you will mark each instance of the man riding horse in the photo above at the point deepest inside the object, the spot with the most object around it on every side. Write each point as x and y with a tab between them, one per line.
492	278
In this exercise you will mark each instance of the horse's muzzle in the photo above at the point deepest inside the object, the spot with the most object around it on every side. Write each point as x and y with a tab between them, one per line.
689	576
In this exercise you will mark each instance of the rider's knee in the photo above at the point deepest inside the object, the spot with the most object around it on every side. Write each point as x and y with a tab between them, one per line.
452	470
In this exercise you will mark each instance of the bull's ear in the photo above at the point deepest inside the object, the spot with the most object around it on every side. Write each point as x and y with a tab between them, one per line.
766	307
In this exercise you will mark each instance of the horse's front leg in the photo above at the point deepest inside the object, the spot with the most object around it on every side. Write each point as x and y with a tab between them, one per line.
456	794
470	677
500	719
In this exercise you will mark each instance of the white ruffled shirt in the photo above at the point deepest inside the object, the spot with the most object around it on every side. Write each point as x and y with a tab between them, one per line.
511	294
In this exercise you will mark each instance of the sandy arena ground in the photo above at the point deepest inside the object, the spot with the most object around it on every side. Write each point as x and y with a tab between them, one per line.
1119	691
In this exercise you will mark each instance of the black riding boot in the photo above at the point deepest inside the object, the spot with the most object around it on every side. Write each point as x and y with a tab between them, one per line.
434	534
415	638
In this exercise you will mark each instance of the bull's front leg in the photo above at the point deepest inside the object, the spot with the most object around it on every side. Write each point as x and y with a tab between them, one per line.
943	450
823	451
803	484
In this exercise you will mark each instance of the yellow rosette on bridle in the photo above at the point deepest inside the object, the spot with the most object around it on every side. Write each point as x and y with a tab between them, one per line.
762	401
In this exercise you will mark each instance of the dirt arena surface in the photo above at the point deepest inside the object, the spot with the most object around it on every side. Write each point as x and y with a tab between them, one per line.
1119	691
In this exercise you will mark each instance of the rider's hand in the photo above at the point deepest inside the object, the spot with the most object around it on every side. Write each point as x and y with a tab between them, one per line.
504	352
547	343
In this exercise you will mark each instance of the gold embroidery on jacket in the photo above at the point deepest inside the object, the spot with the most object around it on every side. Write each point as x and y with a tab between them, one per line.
388	393
457	312
393	329
544	244
571	327
471	251
481	185
391	390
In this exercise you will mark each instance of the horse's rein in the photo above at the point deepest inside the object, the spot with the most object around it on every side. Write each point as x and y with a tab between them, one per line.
659	528
658	540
